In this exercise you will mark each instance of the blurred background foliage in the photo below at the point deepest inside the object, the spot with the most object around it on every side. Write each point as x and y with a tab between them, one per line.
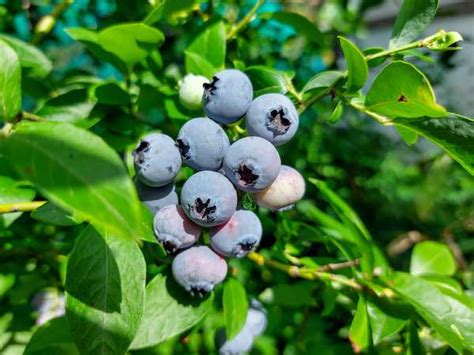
404	194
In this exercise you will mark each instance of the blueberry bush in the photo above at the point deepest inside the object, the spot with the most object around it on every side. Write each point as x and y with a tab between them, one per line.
210	176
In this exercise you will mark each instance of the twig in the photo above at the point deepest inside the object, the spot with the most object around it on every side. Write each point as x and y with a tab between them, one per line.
304	273
20	206
28	116
245	21
46	23
338	266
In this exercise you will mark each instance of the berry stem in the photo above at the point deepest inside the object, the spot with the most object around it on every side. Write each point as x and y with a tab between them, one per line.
245	20
20	206
309	274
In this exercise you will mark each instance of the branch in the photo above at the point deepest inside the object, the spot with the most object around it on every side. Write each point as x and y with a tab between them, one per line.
339	266
304	273
245	21
46	23
20	206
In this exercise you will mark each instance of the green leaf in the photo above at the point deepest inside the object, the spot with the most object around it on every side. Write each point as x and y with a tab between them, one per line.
105	287
198	65
169	311
432	258
235	307
413	18
155	14
358	71
413	343
382	325
444	283
13	191
131	42
73	107
336	115
91	40
409	137
266	80
37	65
401	90
444	41
293	295
76	171
453	133
111	94
359	332
210	45
301	24
10	82
323	80
52	337
177	8
52	214
451	318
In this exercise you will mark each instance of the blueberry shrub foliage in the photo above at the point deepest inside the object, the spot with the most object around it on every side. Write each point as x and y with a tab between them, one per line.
374	258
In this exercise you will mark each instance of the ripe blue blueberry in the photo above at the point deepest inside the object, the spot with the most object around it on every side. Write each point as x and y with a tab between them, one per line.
191	90
287	189
208	198
157	160
199	269
252	164
203	144
254	326
174	230
238	236
156	198
228	96
273	117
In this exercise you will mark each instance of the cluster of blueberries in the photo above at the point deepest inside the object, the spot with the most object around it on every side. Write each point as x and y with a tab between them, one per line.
209	198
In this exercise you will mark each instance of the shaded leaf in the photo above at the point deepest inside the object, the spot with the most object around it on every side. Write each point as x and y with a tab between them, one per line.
156	13
300	23
52	337
266	80
49	213
73	107
235	305
105	287
382	325
111	94
169	311
453	133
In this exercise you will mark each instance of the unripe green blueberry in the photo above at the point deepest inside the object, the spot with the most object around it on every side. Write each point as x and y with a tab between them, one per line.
191	90
287	189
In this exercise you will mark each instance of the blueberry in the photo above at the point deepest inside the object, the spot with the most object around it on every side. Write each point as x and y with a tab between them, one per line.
254	326
273	117
156	198
174	230
157	160
199	269
238	236
208	198
284	192
191	91
203	144
252	163
228	96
